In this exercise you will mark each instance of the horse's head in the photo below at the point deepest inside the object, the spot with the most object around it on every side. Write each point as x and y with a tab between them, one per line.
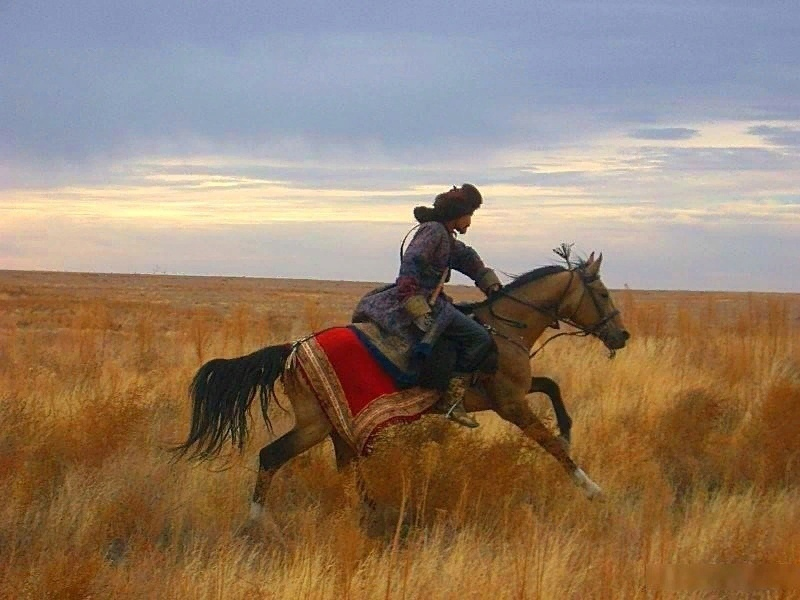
588	306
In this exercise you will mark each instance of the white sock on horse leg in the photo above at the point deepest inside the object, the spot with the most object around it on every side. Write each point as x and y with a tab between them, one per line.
255	511
590	488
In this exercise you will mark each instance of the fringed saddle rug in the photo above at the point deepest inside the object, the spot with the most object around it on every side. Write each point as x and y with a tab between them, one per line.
356	393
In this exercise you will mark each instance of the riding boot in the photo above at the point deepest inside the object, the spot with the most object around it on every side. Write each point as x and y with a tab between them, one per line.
452	401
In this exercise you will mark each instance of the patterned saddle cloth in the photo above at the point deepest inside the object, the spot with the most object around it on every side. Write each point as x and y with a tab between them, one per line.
354	389
392	352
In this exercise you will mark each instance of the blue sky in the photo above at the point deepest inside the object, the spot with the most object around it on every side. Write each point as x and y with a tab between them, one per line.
294	139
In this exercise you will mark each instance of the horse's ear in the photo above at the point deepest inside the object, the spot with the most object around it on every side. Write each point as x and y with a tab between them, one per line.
593	266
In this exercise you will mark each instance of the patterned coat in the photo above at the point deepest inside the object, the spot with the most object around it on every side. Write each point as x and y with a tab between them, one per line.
431	251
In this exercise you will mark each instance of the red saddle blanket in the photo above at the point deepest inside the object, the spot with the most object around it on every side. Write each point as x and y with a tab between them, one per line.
357	395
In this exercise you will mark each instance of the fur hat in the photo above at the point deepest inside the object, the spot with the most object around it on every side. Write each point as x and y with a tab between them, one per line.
451	205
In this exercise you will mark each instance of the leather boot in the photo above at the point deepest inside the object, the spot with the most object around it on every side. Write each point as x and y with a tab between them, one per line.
452	401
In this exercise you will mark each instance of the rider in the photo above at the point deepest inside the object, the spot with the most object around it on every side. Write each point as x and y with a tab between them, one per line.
415	307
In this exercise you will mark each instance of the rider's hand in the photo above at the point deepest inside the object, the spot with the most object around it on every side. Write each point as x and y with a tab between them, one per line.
487	281
424	322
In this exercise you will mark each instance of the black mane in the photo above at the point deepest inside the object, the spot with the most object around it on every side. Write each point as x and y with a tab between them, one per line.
533	275
518	281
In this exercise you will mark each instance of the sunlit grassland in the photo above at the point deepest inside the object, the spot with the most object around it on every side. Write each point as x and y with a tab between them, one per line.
693	431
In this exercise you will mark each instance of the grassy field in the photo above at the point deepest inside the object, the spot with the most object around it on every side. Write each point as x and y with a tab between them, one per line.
693	431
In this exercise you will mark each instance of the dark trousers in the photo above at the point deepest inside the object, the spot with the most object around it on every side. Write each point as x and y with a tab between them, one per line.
471	340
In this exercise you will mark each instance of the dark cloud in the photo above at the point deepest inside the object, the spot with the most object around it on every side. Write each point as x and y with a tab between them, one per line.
777	136
664	133
101	81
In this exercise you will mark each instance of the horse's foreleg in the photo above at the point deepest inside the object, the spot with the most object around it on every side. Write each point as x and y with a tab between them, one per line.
556	448
523	417
549	388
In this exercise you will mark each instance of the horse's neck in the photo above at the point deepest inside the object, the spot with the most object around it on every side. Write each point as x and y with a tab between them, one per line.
544	293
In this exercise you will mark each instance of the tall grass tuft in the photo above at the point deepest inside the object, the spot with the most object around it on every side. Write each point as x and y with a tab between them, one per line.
204	322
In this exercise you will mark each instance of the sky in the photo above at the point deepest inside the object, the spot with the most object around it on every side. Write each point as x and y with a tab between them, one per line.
293	139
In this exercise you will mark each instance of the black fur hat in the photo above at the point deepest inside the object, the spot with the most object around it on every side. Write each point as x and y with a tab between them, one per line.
451	205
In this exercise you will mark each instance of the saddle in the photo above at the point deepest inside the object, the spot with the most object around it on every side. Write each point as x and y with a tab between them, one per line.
396	355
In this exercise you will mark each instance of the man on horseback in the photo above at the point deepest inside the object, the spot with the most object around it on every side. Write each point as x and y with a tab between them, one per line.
415	307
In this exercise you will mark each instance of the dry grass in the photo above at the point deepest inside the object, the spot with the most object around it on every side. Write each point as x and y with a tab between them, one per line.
693	430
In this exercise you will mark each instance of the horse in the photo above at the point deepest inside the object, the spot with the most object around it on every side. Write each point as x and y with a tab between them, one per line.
223	390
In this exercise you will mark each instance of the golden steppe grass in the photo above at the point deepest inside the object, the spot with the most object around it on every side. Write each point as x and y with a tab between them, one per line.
693	431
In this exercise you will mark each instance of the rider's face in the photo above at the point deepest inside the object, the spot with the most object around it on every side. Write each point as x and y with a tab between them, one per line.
461	224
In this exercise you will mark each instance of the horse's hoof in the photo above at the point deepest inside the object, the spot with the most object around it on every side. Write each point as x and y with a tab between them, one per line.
589	487
116	551
264	532
251	530
596	495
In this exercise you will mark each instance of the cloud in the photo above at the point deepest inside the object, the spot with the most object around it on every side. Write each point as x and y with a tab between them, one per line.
704	159
667	252
664	133
100	82
777	136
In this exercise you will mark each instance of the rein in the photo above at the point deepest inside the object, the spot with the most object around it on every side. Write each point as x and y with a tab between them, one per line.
403	243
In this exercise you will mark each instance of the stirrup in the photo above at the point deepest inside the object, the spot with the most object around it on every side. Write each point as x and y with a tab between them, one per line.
451	403
458	414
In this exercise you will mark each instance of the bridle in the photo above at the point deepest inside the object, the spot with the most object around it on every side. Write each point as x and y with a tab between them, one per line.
554	312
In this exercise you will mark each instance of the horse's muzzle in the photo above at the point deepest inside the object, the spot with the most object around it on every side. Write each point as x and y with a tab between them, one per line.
615	339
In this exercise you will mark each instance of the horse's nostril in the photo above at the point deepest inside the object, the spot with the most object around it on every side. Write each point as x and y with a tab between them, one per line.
625	335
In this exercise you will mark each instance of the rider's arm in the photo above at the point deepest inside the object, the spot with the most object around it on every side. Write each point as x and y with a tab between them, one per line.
466	260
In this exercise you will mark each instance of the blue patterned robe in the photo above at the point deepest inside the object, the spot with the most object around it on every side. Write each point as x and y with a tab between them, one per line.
431	251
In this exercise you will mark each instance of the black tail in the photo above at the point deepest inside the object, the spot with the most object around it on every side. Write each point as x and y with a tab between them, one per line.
222	391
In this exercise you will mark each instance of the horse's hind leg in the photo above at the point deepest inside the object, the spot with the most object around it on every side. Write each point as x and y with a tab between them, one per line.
311	428
347	460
